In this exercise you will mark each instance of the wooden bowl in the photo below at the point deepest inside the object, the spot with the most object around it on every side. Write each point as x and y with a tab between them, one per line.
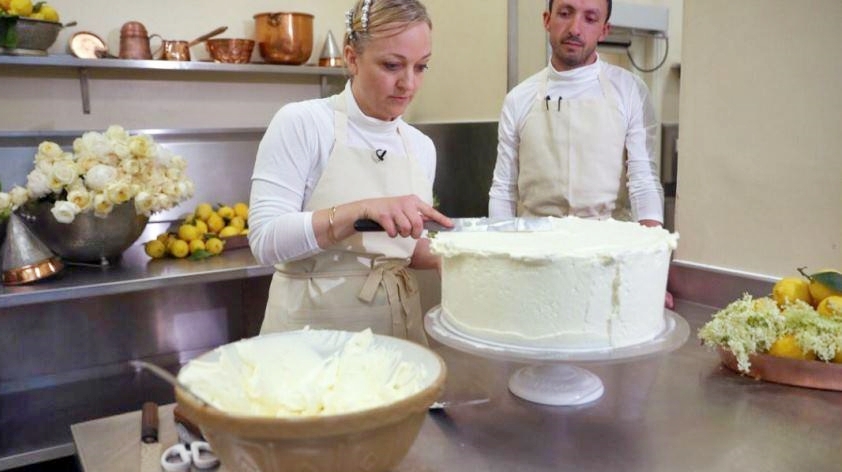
230	50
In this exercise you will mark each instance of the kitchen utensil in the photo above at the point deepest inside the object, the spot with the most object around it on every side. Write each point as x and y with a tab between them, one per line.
150	448
441	405
171	49
168	377
180	457
134	41
519	224
284	37
331	55
230	51
87	45
25	258
207	36
31	37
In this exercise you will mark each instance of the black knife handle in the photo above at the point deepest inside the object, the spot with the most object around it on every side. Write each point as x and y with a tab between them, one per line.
149	423
367	225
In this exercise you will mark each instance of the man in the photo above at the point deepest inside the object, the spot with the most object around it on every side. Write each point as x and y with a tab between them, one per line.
563	131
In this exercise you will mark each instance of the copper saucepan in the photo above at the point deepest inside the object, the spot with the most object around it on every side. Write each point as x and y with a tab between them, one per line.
179	50
284	37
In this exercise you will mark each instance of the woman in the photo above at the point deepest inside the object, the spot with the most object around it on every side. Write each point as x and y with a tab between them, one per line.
323	164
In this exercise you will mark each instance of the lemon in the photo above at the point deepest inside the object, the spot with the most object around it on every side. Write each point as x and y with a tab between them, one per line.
201	226
838	357
179	248
188	232
237	222
244	232
196	245
164	238
20	7
49	13
5	4
215	223
155	249
214	245
226	212
229	231
823	284
787	346
830	306
242	210
204	211
789	289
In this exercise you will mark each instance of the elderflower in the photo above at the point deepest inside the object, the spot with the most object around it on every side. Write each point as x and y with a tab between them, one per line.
102	171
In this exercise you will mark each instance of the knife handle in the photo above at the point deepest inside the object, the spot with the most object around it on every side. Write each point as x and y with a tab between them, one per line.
149	423
367	225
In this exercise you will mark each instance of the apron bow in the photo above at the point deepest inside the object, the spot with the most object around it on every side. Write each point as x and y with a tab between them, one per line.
403	295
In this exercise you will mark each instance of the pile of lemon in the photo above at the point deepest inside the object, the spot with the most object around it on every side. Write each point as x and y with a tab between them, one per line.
26	9
822	291
203	233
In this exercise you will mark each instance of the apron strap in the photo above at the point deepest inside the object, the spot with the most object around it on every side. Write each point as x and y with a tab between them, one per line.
403	295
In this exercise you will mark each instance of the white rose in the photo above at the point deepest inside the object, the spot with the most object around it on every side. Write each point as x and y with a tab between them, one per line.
102	205
130	166
80	197
142	146
118	192
116	133
178	162
96	143
5	202
185	188
63	173
19	196
49	150
85	161
121	149
143	203
173	173
65	212
38	184
162	202
100	176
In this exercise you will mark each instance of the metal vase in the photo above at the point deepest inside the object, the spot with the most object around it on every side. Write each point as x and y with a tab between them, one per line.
25	257
88	238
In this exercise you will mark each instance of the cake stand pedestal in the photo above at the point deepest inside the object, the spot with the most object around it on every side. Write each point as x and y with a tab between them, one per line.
549	379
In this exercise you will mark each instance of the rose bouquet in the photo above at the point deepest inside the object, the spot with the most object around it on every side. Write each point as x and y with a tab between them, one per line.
104	170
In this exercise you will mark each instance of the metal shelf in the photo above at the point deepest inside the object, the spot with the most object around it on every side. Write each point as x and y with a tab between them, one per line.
85	65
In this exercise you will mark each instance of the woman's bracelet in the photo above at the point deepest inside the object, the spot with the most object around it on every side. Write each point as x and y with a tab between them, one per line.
331	216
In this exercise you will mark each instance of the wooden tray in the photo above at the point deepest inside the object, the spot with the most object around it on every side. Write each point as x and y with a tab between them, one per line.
810	374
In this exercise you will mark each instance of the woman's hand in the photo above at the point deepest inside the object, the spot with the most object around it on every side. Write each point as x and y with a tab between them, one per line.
399	216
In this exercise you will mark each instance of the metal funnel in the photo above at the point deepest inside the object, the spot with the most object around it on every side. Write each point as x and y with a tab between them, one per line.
331	55
25	258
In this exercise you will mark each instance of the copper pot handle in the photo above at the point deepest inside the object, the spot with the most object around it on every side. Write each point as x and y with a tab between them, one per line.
160	46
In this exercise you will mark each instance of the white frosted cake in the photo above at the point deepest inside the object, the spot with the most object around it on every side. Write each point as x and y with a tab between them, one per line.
582	284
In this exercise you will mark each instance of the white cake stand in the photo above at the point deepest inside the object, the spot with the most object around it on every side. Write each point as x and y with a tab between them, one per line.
549	380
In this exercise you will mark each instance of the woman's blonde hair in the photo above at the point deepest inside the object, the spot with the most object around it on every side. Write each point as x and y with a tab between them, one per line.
370	17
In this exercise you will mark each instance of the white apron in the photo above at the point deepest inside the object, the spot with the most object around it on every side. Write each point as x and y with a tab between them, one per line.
362	281
571	157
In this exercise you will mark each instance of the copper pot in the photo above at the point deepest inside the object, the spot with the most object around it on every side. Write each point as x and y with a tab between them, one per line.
134	41
284	38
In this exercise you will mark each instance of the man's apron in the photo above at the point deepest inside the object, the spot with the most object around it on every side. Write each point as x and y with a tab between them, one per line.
571	157
362	281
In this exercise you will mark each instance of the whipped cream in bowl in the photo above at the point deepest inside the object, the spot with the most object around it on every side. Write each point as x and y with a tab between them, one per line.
331	400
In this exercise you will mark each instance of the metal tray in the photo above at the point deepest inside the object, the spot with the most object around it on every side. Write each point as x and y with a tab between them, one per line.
811	374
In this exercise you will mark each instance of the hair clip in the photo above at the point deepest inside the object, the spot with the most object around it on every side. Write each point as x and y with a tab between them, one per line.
364	17
349	22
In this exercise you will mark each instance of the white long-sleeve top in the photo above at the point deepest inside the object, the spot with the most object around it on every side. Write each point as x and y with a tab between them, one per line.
645	191
290	160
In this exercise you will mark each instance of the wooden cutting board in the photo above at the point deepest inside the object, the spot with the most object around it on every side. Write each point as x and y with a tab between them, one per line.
112	443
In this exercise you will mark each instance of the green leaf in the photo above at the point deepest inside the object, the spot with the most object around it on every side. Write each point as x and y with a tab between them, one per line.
37	7
8	32
830	279
199	255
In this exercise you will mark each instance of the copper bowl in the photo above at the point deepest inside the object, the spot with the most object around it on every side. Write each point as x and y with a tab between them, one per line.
284	38
231	51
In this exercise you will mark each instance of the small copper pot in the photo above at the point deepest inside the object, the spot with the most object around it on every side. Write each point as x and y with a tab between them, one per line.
284	38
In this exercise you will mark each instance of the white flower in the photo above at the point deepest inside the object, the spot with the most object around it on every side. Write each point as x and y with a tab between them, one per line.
102	205
116	133
118	192
80	197
65	212
142	146
94	142
143	203
99	176
49	150
130	166
63	173
5	202
19	196
38	184
85	161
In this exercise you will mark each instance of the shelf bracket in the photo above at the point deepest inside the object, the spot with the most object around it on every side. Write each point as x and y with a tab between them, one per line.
83	85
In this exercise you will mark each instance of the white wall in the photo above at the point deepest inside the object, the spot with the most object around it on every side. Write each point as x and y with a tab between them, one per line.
760	171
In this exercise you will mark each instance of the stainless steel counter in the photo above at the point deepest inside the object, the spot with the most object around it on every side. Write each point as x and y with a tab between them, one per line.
678	411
